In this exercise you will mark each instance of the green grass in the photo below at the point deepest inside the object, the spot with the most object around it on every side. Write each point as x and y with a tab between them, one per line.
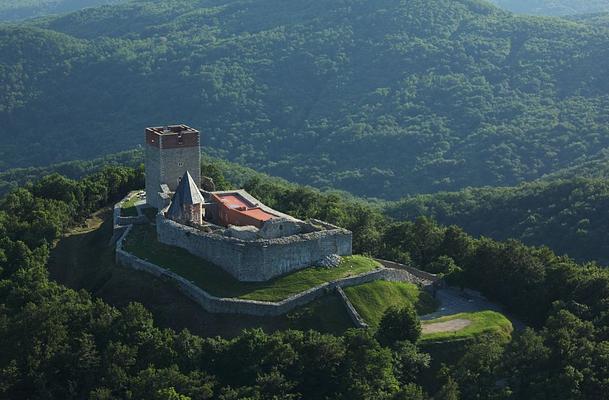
326	314
483	322
128	208
84	260
142	242
371	300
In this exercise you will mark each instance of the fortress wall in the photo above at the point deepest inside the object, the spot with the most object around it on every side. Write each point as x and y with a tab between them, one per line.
424	277
215	304
246	258
258	260
353	314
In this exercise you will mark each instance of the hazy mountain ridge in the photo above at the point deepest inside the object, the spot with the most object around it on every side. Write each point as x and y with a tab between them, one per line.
23	9
379	98
554	7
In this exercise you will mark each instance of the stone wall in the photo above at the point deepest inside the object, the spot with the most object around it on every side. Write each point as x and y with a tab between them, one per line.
422	277
256	260
215	304
357	319
119	220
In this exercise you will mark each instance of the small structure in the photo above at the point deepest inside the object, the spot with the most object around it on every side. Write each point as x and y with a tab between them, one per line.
187	202
234	209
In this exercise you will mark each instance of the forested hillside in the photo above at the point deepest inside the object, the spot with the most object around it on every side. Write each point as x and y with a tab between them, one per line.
554	7
568	212
570	215
22	9
56	343
381	98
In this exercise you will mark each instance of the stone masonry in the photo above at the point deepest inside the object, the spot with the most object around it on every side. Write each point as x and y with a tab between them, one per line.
170	152
256	260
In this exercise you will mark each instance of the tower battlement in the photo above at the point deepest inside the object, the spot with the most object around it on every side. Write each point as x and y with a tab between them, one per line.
172	136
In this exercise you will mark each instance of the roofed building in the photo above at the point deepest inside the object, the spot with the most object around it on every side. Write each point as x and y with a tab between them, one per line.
187	202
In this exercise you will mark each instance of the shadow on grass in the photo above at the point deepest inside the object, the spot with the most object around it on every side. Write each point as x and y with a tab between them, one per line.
84	260
142	241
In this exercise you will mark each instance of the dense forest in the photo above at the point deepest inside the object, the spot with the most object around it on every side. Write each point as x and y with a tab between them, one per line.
554	7
569	215
22	9
58	343
381	98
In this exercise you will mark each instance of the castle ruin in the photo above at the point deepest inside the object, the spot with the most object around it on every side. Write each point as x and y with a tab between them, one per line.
230	229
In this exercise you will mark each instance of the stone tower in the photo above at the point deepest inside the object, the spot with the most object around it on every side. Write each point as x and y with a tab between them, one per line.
170	151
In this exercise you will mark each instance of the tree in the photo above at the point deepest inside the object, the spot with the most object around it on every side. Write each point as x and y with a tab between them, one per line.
442	265
409	362
398	324
448	391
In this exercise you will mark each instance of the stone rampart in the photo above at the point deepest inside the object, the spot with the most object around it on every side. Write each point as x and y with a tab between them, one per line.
256	260
353	314
120	223
421	277
215	304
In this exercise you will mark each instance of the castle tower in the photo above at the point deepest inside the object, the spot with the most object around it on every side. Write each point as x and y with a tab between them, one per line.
170	151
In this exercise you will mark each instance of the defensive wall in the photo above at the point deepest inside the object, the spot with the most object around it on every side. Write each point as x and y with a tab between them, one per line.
120	223
357	319
215	304
423	278
257	260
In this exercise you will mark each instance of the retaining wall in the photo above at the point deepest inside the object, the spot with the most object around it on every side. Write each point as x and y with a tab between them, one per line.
353	314
215	304
256	260
423	277
121	223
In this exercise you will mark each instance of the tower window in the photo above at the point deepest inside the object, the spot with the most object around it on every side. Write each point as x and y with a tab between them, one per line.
180	164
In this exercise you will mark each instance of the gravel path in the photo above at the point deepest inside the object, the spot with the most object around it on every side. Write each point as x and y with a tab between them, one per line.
448	326
454	301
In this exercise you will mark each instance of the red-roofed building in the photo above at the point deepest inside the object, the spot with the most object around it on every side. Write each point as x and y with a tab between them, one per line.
234	209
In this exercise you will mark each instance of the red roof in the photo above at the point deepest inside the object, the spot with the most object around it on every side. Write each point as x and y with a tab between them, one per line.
236	203
258	214
234	200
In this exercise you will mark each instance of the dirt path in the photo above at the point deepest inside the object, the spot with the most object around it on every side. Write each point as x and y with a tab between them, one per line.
448	326
453	301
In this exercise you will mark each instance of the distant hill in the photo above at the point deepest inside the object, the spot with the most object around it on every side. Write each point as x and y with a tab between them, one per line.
381	98
22	9
570	216
554	7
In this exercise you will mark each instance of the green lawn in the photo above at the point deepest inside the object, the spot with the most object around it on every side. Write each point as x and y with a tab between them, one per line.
372	299
128	208
483	322
326	314
142	242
